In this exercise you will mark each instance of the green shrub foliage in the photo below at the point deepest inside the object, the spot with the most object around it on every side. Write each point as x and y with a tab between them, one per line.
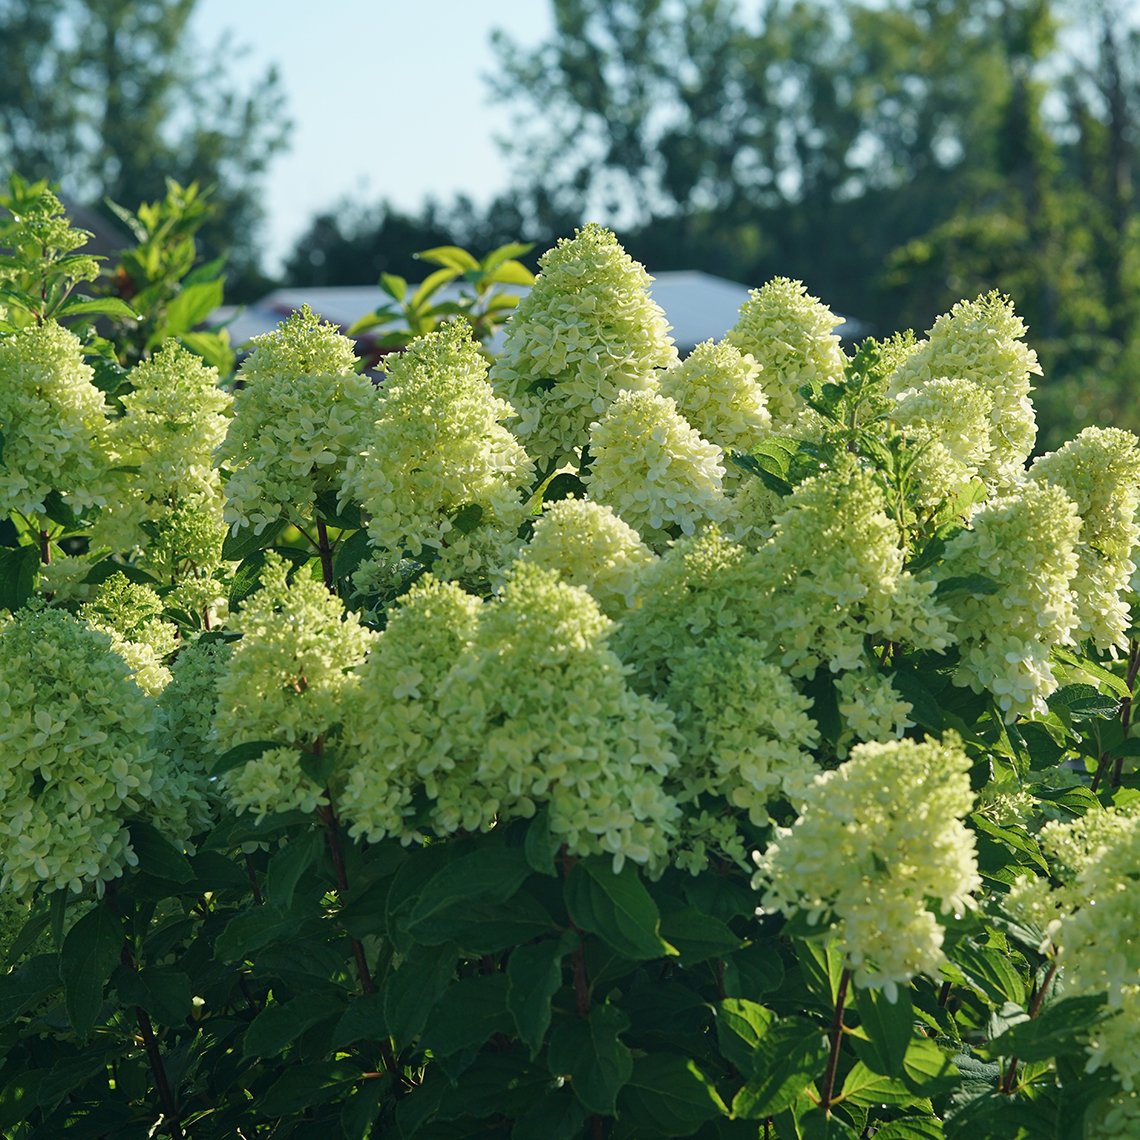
582	742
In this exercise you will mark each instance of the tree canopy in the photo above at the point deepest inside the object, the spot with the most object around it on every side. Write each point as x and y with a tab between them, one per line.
112	97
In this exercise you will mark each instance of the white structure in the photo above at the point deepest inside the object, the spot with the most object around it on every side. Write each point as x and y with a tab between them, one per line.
699	306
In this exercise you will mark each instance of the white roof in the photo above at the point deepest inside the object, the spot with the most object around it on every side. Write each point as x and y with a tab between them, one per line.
698	305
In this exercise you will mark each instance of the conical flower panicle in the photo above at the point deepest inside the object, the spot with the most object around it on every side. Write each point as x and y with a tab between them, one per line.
587	330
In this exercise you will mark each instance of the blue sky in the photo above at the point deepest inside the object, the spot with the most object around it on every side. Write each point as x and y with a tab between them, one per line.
387	97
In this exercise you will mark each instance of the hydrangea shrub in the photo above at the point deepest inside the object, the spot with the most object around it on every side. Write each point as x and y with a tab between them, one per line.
583	742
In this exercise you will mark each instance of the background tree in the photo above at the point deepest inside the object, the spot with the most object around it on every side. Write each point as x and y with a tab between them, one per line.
112	97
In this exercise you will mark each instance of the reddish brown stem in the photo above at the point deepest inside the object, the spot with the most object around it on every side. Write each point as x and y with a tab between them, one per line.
45	547
150	1043
1010	1079
325	551
1126	707
836	1040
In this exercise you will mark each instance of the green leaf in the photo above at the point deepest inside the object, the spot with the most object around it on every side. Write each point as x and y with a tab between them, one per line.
617	908
541	845
242	754
395	286
360	1111
589	1052
451	256
865	1087
1082	702
467	518
165	994
968	585
413	989
925	709
740	1025
788	1058
90	953
564	486
822	964
1061	1027
556	1116
1097	673
428	287
989	971
157	855
470	1011
304	1086
281	1023
36	980
511	273
362	1021
98	306
698	936
667	1095
238	547
287	866
505	252
18	569
534	976
350	554
485	874
252	930
192	305
889	1027
330	510
911	1128
928	1069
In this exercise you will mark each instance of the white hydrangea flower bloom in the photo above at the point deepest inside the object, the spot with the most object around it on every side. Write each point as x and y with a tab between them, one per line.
871	707
587	330
789	334
745	726
982	341
878	840
130	614
1026	543
590	546
392	726
654	469
53	420
437	452
717	388
168	508
1100	472
300	412
538	711
75	733
288	679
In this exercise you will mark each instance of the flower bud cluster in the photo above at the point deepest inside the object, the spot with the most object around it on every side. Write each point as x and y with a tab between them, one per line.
53	420
167	510
982	341
717	388
879	839
1025	543
528	707
76	736
285	682
439	475
1100	472
587	330
301	410
789	334
590	546
654	469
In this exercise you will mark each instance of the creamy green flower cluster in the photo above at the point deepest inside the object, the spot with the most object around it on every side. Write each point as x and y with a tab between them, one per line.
286	681
168	508
746	729
533	710
789	334
590	546
130	614
1025	543
301	410
834	573
75	734
871	707
587	330
53	420
982	342
879	839
1100	472
654	469
717	388
1093	921
438	453
949	422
